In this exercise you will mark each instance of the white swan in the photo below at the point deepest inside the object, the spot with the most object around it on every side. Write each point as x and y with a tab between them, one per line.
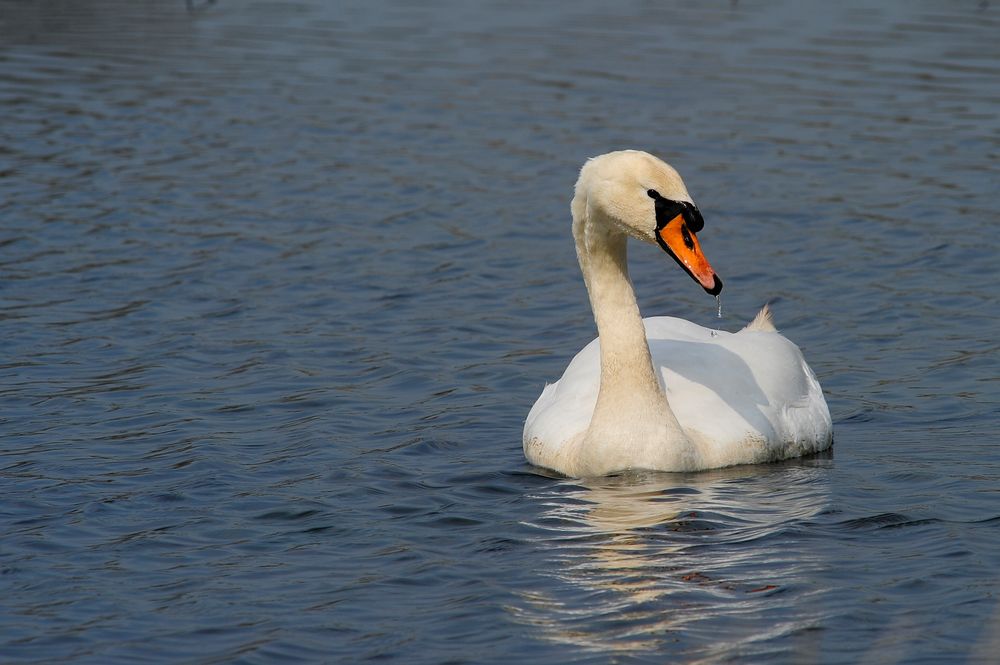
663	393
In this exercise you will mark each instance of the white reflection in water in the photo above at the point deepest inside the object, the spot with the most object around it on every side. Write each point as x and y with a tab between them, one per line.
704	563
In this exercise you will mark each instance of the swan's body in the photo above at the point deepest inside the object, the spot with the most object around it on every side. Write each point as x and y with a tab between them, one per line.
663	393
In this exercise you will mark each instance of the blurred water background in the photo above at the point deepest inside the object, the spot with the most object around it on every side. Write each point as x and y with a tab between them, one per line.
280	281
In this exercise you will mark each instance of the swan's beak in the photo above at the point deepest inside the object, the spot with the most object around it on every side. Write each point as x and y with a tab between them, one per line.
680	242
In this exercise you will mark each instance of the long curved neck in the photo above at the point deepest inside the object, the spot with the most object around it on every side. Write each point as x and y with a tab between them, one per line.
625	361
632	417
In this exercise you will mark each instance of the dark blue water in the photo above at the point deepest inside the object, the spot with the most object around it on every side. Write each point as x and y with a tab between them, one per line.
280	281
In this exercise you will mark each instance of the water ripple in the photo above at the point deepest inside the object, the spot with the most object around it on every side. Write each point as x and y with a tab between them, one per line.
281	280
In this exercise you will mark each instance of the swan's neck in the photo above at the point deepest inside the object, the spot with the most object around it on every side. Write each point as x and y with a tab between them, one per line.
626	366
632	418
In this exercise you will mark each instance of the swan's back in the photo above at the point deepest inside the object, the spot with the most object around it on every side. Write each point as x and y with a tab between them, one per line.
741	397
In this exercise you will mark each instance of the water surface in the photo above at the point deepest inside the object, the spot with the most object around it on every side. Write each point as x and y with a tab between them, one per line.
280	281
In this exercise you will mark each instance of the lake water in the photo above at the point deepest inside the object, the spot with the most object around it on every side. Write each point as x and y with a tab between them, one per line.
280	281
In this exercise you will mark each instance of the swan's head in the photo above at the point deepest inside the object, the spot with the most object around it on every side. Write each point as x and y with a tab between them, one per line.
644	197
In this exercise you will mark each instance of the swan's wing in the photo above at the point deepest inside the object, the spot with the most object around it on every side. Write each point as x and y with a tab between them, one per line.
563	410
750	386
750	396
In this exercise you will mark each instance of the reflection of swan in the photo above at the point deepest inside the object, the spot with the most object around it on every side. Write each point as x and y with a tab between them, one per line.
680	565
733	398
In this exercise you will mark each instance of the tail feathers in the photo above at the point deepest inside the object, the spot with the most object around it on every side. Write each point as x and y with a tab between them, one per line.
763	322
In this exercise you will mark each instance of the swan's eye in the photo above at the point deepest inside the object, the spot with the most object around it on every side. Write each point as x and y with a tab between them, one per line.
666	210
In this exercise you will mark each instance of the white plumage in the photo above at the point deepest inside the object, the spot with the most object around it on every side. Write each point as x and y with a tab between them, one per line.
664	393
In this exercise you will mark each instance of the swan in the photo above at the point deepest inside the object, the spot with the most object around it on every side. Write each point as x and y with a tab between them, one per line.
662	393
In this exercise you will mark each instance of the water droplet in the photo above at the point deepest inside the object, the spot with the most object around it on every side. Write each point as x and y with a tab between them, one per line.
718	301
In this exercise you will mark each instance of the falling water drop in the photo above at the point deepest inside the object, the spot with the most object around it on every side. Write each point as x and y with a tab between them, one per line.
718	301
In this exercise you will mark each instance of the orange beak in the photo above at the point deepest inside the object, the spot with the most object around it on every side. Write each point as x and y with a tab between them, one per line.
681	243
